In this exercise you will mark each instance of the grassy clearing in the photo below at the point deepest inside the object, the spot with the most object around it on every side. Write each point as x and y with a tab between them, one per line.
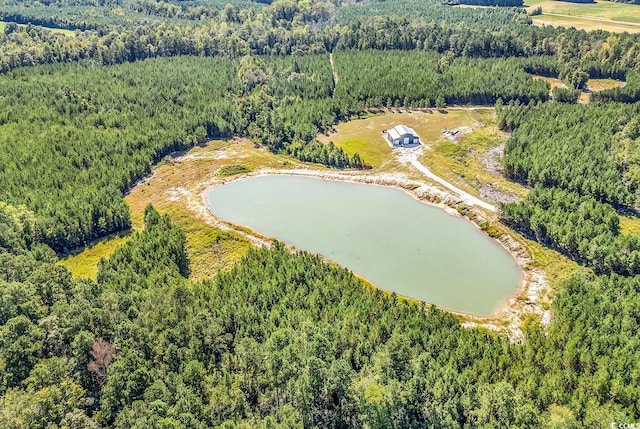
465	163
600	9
557	267
461	163
210	249
552	81
630	225
69	33
85	263
593	85
603	15
586	24
176	186
365	135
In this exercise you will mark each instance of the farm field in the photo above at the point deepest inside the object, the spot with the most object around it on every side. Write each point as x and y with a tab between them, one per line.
603	15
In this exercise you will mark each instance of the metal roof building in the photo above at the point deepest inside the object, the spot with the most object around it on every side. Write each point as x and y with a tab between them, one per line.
401	135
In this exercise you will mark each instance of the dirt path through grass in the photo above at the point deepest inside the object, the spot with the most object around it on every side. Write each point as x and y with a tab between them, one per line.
333	70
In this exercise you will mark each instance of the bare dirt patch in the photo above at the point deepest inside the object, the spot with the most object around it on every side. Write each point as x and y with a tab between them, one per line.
492	159
496	195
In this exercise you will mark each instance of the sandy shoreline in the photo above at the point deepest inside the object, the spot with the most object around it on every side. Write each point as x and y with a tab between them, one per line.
526	299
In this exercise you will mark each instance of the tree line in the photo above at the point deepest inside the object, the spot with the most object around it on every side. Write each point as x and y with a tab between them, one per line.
426	79
584	229
285	28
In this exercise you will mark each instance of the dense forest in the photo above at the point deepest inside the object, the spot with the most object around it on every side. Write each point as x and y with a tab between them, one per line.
587	149
502	3
377	78
325	364
286	27
114	123
283	339
581	227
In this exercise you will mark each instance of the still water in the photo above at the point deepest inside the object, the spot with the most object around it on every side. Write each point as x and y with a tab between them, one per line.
380	233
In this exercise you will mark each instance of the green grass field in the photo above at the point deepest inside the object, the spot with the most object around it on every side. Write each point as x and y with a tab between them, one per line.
54	30
602	15
364	136
85	263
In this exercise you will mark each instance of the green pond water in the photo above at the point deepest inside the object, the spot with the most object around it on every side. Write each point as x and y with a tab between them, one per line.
380	233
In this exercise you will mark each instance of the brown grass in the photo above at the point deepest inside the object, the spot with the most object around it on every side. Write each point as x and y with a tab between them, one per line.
596	85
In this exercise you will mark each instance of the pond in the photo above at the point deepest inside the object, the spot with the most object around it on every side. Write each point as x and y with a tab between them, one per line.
380	233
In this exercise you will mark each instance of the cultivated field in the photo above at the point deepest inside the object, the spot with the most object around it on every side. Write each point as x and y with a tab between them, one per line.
602	15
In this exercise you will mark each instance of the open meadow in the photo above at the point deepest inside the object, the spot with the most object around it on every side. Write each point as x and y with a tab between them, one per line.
602	15
592	85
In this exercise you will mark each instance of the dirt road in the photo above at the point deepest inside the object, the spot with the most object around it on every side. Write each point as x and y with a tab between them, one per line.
411	156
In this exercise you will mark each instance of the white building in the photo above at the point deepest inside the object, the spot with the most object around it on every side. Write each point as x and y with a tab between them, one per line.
401	135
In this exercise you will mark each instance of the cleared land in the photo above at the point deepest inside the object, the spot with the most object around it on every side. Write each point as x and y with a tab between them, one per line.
603	15
462	162
472	163
69	33
593	85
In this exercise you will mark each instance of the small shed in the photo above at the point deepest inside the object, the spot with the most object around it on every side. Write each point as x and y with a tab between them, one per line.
401	135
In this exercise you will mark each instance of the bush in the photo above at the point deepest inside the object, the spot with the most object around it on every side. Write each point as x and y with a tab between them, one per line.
566	95
232	170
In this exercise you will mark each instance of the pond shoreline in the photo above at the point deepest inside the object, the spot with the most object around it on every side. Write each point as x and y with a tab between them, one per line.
532	285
